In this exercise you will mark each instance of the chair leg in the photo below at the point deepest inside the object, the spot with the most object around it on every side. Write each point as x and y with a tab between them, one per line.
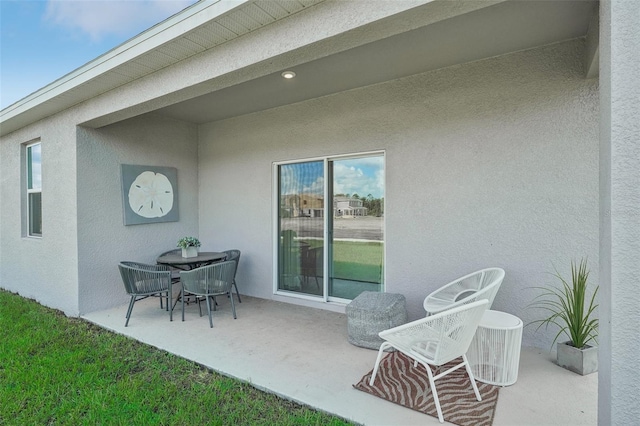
471	378
209	310
233	308
182	300
131	302
432	384
237	292
383	346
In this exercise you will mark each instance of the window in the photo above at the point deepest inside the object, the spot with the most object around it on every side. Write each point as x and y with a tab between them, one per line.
34	190
333	250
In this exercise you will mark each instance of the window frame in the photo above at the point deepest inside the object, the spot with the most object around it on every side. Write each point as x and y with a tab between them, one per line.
325	299
29	189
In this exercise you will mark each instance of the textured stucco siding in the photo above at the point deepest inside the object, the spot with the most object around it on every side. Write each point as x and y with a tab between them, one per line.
49	269
103	240
618	390
42	269
493	163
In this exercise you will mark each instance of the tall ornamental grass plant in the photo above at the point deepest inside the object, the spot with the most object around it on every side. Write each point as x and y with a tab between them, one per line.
569	307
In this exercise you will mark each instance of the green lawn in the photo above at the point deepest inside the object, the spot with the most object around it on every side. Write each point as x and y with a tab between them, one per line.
354	260
66	371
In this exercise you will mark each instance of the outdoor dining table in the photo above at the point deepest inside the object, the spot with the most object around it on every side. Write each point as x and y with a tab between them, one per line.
175	260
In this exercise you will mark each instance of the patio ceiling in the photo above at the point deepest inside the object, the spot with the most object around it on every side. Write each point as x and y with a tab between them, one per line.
491	29
496	30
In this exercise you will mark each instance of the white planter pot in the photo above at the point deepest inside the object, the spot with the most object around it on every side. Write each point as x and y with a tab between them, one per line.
190	252
581	361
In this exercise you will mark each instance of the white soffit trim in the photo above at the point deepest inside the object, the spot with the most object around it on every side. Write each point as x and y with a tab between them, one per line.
156	39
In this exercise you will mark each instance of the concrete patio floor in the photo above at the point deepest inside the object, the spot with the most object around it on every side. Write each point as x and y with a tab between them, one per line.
302	354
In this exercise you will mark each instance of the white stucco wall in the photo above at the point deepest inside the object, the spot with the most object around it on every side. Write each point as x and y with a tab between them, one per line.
618	377
103	239
43	269
493	163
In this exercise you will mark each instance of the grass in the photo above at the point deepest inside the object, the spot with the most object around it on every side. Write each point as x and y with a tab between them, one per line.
355	260
66	371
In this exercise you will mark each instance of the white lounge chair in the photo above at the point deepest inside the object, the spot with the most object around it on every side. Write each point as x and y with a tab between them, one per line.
436	340
483	284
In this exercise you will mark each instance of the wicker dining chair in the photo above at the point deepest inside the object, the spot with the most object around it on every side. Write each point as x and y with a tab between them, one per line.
141	281
235	256
207	282
175	272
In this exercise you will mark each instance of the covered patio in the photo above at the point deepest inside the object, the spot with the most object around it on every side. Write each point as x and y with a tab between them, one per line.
509	136
302	354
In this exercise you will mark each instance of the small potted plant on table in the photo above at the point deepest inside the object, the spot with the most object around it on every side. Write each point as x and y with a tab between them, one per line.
189	246
567	308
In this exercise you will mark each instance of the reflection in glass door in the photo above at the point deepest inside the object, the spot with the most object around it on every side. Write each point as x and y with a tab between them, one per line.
351	223
301	227
356	243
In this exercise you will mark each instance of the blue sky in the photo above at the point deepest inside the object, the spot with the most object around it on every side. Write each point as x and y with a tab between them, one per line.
362	176
43	40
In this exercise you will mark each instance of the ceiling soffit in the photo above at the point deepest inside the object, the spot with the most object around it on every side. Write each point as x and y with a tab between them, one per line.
488	32
100	75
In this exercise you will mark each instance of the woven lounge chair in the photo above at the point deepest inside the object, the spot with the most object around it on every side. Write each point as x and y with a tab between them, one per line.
483	284
435	341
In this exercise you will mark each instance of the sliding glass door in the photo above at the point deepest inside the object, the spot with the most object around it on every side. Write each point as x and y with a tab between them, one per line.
356	244
331	250
301	227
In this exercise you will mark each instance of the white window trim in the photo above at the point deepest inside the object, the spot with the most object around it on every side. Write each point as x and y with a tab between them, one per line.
31	191
275	206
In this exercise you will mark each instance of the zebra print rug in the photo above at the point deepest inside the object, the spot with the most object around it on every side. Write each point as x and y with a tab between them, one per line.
400	382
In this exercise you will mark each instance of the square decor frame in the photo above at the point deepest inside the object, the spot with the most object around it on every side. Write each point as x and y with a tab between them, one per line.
149	194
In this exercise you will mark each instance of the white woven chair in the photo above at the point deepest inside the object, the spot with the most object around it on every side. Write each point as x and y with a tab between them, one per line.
436	340
483	284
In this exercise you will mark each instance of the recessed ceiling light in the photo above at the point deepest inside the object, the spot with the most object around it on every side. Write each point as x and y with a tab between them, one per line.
288	74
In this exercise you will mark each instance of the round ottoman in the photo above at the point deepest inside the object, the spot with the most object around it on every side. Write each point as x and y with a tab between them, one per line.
372	312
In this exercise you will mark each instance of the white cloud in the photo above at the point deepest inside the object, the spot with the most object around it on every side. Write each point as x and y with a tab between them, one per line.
360	176
316	187
100	18
349	179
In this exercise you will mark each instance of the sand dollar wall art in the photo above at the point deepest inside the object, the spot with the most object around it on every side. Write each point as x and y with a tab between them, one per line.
149	194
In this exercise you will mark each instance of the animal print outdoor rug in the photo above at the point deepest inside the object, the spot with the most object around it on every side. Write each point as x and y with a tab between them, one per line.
400	382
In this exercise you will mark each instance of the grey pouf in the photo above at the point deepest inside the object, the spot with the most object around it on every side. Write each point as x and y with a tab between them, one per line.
372	312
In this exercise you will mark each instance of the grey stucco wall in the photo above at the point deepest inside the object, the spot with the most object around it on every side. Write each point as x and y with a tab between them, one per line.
618	376
49	269
42	269
103	238
493	163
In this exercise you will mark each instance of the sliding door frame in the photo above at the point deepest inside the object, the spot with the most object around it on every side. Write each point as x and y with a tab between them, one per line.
328	224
